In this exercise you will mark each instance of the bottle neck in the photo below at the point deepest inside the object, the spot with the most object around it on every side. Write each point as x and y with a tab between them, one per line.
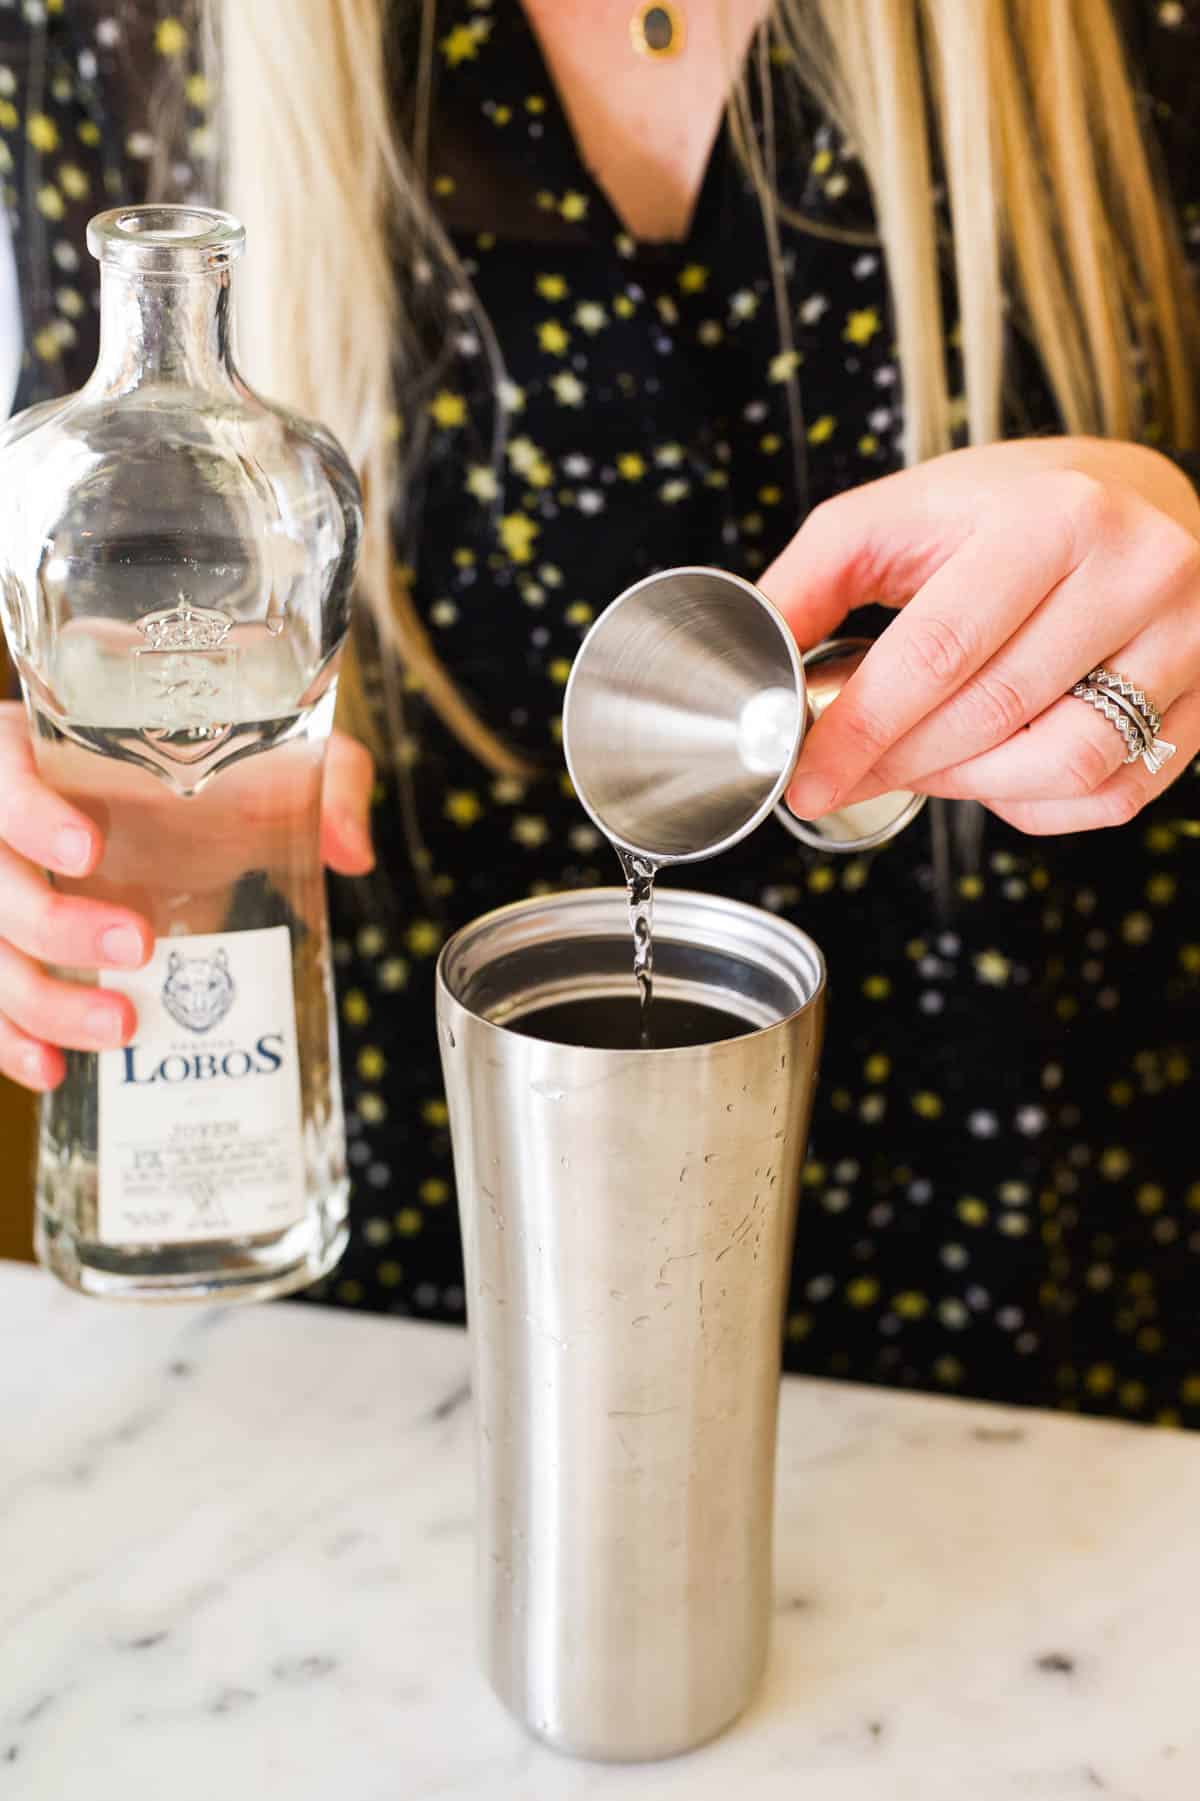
164	329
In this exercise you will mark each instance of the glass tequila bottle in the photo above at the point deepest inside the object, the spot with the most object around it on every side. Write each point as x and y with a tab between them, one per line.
176	561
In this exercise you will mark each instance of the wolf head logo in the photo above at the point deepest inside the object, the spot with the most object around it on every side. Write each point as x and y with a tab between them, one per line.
198	991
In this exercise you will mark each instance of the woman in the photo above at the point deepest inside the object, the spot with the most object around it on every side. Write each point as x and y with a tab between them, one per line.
581	310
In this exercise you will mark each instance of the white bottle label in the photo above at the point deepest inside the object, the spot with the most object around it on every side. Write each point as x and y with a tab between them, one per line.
199	1129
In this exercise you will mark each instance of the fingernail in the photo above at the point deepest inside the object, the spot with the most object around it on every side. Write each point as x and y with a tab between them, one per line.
31	1067
357	838
811	795
121	944
103	1024
72	849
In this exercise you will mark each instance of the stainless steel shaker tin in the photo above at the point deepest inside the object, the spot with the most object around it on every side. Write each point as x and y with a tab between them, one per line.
684	715
628	1221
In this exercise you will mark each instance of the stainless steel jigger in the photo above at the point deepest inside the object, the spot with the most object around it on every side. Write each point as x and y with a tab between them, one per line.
684	716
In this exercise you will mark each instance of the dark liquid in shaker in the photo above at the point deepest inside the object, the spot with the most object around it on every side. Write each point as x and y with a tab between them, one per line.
618	1023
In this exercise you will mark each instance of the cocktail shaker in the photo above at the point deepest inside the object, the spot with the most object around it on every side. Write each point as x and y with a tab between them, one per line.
684	715
628	1218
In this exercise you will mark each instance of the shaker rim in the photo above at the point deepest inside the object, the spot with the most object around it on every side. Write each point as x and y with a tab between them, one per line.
755	918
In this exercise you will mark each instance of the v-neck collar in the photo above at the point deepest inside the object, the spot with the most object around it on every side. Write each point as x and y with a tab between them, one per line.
511	17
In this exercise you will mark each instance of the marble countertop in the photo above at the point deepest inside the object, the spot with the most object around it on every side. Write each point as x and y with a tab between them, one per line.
236	1563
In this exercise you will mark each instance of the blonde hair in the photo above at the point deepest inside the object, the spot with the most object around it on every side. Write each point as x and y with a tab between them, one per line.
1055	216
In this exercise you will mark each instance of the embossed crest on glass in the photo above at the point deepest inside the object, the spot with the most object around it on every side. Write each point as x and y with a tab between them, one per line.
176	560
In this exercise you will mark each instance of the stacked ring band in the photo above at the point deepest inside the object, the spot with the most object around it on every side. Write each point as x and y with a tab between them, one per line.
1108	678
1131	711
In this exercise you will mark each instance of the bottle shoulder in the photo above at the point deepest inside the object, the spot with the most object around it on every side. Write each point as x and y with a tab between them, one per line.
160	457
20	426
114	508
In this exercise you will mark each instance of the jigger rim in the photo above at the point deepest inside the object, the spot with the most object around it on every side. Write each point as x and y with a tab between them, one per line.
666	860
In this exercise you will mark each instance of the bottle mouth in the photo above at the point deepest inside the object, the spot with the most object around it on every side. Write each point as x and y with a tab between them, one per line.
166	240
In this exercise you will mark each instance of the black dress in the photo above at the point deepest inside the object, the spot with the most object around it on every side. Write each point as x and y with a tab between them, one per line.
1003	1195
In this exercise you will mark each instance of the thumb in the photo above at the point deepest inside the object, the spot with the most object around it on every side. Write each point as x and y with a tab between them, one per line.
871	546
346	806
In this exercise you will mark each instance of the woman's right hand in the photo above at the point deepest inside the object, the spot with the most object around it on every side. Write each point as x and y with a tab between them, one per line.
40	1015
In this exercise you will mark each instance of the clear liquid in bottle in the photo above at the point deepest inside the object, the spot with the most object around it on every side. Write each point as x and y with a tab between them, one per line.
207	1156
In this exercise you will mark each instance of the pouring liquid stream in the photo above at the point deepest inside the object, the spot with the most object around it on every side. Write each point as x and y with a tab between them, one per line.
639	880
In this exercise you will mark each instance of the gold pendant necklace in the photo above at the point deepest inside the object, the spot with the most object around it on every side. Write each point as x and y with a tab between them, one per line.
658	31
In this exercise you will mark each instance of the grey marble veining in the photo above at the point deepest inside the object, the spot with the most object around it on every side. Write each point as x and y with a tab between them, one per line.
235	1563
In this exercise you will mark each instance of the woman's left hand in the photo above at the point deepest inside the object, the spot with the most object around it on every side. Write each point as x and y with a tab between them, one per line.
1017	568
346	806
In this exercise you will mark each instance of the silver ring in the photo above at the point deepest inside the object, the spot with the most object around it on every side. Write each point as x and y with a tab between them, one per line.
1131	711
1120	684
1134	736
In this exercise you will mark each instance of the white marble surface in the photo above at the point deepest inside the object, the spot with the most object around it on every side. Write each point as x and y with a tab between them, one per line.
235	1564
